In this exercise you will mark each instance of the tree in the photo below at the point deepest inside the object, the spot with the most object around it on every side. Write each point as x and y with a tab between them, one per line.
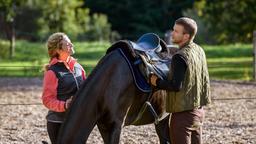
228	21
60	15
73	18
35	20
8	10
132	18
99	29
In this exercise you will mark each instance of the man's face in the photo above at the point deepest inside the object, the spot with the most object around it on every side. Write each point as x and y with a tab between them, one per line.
178	35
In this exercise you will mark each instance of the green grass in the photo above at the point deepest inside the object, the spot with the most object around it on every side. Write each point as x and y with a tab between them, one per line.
230	61
30	57
224	61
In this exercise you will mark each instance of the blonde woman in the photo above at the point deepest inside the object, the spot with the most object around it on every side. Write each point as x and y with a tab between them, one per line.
62	79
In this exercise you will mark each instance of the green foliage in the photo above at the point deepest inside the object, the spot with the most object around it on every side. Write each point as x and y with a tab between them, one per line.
8	9
203	34
61	16
228	21
99	29
32	52
27	24
73	19
132	18
4	45
35	19
219	21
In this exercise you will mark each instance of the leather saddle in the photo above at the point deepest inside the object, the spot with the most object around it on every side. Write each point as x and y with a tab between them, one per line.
148	42
155	56
154	53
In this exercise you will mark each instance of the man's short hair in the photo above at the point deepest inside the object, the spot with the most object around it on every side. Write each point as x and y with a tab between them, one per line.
189	25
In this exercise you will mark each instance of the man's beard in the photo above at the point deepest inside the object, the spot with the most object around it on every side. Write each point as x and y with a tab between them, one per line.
175	41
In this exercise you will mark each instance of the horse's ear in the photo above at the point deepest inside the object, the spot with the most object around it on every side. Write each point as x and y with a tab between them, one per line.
123	44
164	46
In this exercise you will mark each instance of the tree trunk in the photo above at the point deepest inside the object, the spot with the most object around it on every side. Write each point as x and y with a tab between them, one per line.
9	29
12	41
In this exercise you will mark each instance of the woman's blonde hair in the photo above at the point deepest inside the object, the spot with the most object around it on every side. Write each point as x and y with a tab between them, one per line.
53	43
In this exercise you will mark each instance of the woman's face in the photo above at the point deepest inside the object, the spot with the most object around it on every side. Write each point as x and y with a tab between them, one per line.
67	46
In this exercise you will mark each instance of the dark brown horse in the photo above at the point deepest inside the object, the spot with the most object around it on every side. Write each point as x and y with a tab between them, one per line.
110	100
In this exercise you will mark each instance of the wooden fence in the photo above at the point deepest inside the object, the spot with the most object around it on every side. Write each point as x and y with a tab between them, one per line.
27	71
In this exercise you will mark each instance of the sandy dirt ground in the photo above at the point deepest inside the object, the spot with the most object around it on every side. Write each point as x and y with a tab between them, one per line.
231	119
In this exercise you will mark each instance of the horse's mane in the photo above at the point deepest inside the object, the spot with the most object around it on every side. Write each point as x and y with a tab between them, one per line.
126	47
95	69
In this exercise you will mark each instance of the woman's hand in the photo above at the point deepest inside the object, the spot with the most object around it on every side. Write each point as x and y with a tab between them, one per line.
68	102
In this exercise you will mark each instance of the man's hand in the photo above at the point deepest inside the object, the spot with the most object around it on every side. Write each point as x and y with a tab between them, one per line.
153	79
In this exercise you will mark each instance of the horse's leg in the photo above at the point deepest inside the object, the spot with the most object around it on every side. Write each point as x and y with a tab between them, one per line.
162	130
110	132
115	133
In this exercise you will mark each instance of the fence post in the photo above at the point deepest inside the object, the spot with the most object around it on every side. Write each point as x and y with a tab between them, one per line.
254	55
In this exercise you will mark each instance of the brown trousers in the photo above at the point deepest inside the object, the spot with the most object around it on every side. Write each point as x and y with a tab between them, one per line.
186	127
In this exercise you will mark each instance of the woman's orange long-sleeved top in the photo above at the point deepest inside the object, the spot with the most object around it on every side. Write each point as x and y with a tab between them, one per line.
51	82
